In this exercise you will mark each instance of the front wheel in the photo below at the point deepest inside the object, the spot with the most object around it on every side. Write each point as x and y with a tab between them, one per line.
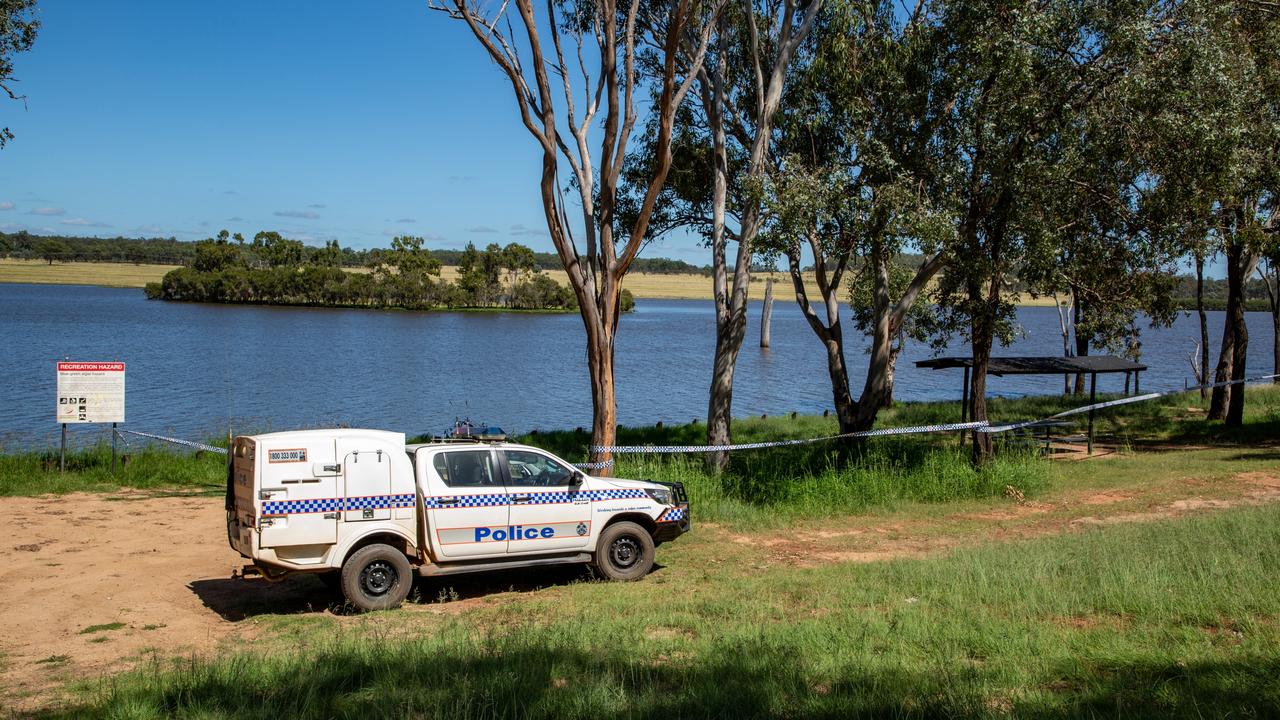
376	577
624	552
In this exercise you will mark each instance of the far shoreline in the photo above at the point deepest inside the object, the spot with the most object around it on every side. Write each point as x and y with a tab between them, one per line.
644	286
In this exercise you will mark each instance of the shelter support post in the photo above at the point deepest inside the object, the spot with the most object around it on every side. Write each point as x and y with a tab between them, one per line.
114	434
62	457
1093	396
1126	383
1137	382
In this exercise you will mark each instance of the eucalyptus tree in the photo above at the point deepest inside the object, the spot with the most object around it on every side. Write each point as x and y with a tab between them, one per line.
854	186
1017	75
1115	258
740	89
1221	159
1269	270
18	28
543	54
724	146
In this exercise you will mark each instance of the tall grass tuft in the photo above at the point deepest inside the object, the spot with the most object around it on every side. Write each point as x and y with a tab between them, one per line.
89	469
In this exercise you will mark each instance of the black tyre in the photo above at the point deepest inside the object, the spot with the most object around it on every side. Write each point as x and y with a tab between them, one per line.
376	577
624	552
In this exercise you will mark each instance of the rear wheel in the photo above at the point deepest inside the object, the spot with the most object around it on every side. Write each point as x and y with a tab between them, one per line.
376	577
624	552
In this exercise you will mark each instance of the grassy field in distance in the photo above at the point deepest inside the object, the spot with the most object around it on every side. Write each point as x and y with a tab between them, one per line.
642	285
39	272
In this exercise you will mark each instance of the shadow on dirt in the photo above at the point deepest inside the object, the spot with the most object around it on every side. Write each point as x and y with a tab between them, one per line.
235	599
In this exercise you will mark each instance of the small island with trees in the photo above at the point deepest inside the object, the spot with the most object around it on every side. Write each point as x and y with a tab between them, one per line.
274	270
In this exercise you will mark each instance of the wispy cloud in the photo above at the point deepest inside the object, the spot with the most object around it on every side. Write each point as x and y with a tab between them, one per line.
149	229
406	221
318	206
47	211
303	214
519	230
483	229
6	206
461	178
237	218
230	192
84	222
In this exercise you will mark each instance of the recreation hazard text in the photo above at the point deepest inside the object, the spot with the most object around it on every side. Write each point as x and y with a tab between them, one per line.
90	392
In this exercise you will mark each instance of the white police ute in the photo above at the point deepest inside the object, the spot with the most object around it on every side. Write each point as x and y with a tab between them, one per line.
366	511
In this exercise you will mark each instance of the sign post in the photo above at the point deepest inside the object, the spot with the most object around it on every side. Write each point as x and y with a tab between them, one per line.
90	392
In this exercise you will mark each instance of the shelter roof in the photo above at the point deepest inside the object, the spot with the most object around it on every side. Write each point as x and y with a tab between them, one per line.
1040	365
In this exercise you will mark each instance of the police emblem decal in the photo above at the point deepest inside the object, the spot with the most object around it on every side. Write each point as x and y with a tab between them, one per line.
582	528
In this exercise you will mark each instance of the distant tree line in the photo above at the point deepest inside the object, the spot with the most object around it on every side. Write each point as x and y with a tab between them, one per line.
275	270
170	251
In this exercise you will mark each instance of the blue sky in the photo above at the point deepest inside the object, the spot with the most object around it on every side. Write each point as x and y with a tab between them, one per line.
317	119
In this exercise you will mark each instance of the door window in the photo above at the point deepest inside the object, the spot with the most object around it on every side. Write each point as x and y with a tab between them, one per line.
466	469
531	469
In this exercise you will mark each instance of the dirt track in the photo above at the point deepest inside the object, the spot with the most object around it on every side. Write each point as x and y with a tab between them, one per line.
161	568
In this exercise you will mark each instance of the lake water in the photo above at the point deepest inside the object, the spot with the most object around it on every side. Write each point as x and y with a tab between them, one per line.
194	370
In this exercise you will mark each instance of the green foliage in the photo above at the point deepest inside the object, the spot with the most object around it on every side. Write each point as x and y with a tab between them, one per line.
18	27
215	256
412	259
226	272
53	249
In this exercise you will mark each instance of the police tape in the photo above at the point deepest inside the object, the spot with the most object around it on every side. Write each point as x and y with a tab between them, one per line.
176	441
981	426
881	432
1123	401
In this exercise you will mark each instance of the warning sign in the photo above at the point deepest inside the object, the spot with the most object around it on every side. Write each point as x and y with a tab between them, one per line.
90	392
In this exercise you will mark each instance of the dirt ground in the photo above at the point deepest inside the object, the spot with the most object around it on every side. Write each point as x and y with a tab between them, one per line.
92	584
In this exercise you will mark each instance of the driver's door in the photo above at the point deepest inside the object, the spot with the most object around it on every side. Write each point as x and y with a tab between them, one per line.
549	513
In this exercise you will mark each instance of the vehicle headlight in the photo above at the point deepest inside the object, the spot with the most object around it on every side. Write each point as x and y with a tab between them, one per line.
662	496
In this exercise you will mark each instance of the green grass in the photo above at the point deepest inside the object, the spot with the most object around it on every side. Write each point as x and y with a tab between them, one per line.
771	487
106	627
37	473
1167	619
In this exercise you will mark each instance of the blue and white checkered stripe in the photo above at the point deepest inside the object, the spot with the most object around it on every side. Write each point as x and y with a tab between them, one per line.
297	507
300	507
467	501
675	514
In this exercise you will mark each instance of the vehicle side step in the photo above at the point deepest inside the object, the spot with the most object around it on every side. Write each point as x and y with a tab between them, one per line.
434	570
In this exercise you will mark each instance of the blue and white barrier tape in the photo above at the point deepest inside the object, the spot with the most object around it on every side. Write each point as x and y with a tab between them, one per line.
978	426
947	427
1124	401
594	465
176	441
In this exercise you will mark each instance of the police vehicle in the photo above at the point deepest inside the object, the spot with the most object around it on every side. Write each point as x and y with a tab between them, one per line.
366	511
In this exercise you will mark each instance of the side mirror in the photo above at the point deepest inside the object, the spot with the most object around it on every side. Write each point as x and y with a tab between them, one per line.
577	478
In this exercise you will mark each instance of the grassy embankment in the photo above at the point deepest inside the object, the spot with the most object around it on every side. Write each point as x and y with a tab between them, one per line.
642	285
1167	618
762	487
